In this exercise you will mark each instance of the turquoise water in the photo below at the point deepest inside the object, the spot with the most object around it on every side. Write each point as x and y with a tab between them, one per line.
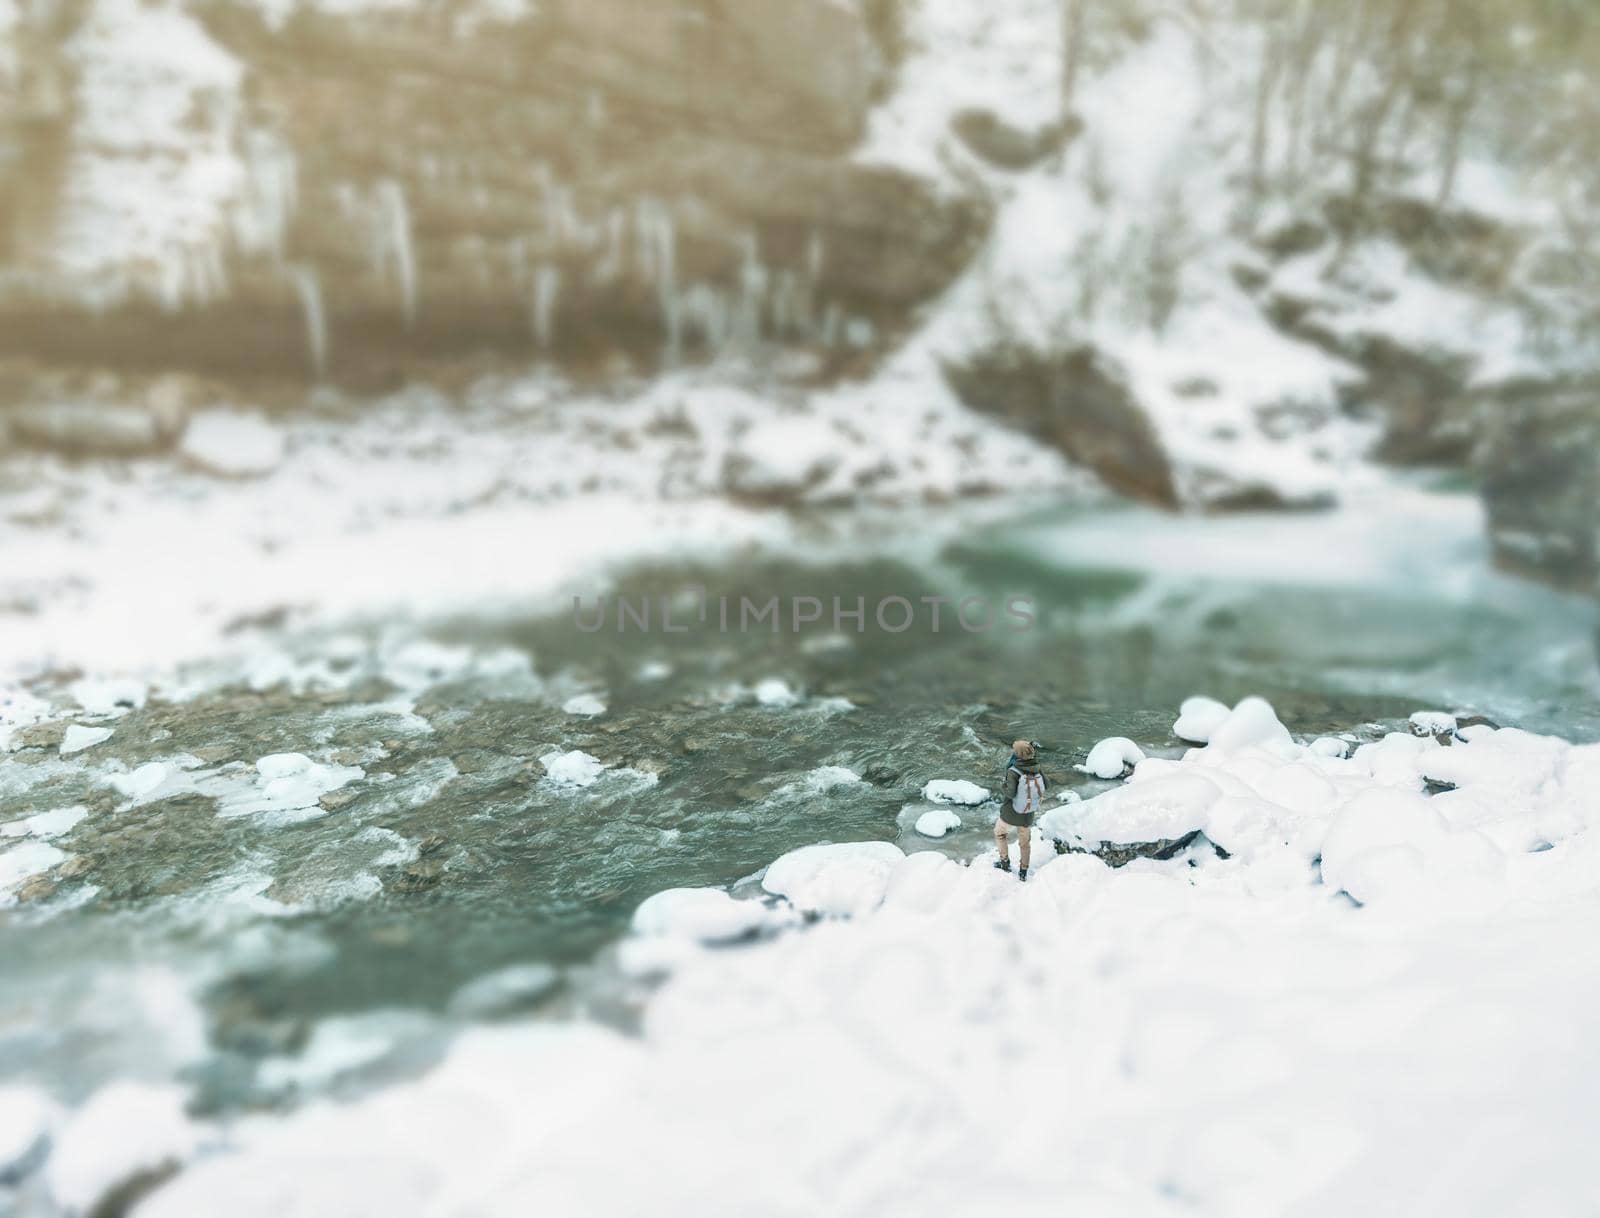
1130	619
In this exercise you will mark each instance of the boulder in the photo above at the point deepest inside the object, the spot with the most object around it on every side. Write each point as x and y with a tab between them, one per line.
414	186
1078	402
1540	461
1006	147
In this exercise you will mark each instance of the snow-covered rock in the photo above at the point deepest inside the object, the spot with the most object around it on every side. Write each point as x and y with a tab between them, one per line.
955	791
936	822
123	1130
706	915
1330	746
78	738
587	705
1198	717
777	693
572	769
1112	757
285	786
846	879
109	696
1162	809
232	445
21	863
1251	724
1432	723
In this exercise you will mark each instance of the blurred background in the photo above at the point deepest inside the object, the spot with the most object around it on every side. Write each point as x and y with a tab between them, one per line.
344	342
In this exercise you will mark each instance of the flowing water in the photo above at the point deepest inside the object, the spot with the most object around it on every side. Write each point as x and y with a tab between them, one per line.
454	854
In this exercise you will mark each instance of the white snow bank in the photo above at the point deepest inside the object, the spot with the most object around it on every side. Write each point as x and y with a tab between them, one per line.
936	822
955	791
1243	1043
124	1129
78	738
1160	809
1112	757
837	880
706	915
232	445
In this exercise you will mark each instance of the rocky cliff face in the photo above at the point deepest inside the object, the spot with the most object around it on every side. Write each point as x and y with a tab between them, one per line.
349	193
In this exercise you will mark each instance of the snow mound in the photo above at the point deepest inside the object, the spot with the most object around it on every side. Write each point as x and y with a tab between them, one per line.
1198	717
584	704
21	863
1251	724
123	1130
1432	723
955	791
108	696
846	879
78	738
572	769
1159	810
1112	758
705	915
286	787
232	445
776	693
936	822
26	1117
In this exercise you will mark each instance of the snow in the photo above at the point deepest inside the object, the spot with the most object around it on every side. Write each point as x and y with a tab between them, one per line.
78	738
955	791
776	693
285	787
21	863
45	824
108	696
587	705
1433	723
1252	723
26	1117
936	822
232	445
1198	717
705	915
572	769
837	880
1162	808
124	1129
1220	1038
1112	757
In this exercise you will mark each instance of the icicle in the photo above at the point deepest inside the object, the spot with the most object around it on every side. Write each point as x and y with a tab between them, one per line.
814	255
309	291
832	320
394	227
542	313
753	279
610	266
272	191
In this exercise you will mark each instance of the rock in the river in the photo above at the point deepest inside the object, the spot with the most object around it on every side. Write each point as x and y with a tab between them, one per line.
1541	484
1076	401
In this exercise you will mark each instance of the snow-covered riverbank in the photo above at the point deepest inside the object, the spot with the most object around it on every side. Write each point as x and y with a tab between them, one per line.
1380	1002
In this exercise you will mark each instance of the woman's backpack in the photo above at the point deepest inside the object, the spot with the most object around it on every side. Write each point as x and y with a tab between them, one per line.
1030	792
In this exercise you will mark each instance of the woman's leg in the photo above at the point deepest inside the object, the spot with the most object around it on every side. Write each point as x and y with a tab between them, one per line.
1024	845
1000	841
